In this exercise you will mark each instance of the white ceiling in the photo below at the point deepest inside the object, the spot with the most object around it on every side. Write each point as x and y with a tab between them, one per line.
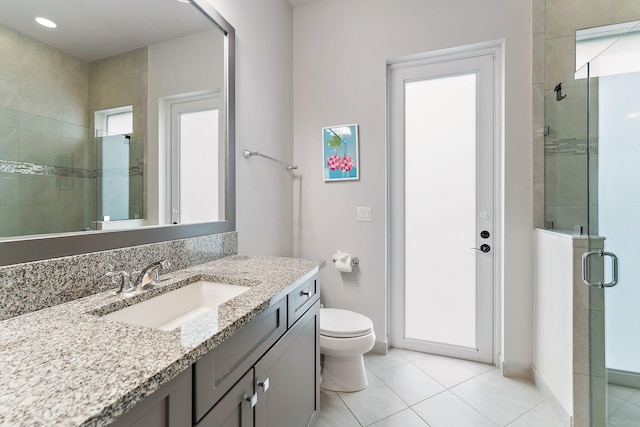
93	29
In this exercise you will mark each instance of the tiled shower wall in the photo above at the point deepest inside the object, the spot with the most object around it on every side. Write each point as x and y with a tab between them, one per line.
118	81
44	95
47	100
36	285
42	80
566	143
554	26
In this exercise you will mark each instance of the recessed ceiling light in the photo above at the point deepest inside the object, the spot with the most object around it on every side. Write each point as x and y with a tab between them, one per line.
46	22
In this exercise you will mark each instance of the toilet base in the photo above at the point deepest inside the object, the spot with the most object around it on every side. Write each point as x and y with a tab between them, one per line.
345	374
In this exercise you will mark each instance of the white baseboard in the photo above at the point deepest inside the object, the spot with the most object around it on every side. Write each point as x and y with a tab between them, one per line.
623	378
514	370
557	407
380	347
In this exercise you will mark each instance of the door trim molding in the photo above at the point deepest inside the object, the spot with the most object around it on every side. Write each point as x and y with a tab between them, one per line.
496	48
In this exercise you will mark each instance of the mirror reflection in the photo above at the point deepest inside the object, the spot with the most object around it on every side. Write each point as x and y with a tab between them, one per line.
115	119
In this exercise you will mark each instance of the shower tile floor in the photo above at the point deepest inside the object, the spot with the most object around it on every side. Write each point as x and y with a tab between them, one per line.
410	389
623	405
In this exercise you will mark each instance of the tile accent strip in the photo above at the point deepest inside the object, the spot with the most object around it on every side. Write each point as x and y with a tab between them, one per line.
26	168
570	146
36	285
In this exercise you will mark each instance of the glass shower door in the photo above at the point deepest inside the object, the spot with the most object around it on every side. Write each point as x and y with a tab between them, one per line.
592	188
614	192
119	179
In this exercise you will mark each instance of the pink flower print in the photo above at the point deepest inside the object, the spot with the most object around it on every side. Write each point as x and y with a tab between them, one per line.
334	162
346	163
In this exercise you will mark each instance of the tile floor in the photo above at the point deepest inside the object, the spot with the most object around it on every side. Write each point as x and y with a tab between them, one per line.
409	389
623	405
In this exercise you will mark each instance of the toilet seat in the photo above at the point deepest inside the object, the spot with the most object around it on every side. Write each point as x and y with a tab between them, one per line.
337	323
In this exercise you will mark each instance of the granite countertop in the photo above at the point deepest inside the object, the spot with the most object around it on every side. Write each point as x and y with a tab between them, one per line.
67	366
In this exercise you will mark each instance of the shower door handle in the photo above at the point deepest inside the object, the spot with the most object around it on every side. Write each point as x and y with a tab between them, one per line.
586	273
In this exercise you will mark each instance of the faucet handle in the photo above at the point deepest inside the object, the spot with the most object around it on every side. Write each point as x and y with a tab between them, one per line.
163	264
125	280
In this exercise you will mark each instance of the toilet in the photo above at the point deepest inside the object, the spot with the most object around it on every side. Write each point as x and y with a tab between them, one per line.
344	337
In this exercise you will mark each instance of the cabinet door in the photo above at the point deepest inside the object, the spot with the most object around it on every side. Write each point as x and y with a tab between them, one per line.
169	406
235	409
287	377
223	366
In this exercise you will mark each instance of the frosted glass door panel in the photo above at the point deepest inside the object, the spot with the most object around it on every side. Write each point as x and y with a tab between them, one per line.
198	166
440	210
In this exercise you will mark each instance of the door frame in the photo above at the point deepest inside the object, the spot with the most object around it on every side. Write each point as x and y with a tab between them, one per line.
174	107
394	233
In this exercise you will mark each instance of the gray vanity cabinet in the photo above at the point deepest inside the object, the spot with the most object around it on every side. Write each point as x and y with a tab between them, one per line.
223	366
286	378
281	390
170	406
267	374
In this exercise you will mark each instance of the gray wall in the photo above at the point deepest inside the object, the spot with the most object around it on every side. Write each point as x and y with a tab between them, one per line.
264	117
340	54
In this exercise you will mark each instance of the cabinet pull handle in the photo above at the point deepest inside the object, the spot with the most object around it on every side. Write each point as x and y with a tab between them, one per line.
253	399
306	293
264	384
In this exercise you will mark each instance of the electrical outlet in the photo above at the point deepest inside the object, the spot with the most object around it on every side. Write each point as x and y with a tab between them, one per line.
364	213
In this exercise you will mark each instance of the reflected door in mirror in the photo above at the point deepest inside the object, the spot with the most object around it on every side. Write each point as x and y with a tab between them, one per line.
195	177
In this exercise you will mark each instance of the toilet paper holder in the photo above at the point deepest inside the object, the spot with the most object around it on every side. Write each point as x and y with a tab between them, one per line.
354	261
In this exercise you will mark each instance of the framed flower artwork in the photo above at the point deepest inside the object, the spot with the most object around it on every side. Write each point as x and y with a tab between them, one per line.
340	153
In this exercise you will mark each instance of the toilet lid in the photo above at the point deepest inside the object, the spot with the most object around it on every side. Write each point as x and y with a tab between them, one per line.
338	323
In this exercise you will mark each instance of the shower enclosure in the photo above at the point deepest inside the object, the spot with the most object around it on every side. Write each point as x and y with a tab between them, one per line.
592	188
62	177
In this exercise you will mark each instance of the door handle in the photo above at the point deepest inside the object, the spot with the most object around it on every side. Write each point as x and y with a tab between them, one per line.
483	248
586	271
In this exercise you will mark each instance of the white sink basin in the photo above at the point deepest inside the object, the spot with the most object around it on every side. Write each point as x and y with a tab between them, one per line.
173	309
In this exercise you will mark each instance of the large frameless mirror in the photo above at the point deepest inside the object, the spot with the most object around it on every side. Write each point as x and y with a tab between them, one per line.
116	125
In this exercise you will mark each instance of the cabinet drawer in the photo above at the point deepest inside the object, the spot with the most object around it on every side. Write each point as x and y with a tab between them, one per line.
223	366
301	299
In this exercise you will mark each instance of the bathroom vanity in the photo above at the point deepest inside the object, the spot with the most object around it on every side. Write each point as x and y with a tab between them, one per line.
252	361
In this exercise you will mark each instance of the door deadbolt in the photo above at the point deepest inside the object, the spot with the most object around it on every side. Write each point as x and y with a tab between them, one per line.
485	234
483	248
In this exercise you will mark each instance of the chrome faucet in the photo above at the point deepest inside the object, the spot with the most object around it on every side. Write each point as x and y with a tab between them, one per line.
147	279
125	280
150	276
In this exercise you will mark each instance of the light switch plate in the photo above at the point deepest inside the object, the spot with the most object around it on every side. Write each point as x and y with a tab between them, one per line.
363	213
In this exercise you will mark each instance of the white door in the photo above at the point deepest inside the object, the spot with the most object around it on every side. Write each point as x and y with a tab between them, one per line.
442	189
195	156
